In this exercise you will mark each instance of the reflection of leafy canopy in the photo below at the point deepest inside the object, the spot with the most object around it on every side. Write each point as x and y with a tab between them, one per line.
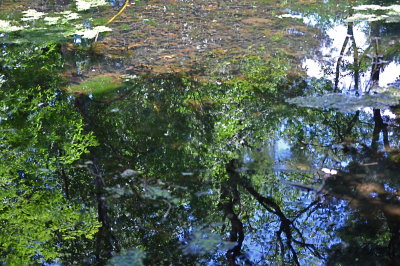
41	136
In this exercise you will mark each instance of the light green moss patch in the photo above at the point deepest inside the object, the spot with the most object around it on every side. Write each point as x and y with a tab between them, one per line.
98	85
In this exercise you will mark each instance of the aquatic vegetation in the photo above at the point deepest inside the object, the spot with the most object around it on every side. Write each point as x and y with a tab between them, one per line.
395	8
382	98
128	257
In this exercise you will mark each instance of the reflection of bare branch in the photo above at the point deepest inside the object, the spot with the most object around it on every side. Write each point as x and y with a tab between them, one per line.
287	226
352	122
312	204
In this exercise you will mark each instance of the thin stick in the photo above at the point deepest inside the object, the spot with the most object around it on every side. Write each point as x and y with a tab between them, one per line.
119	12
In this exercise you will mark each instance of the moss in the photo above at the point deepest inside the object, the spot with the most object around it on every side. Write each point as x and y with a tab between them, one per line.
98	85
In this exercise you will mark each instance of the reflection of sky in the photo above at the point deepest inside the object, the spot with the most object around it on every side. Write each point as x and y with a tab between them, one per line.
330	53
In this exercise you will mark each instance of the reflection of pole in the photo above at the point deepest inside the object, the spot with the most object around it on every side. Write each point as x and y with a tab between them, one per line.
377	59
379	126
375	71
339	61
355	57
349	36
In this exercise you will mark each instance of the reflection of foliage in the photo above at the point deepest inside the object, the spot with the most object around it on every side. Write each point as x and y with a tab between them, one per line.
261	76
36	221
41	136
179	133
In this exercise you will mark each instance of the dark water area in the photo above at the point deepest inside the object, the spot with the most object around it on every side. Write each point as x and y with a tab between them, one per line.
199	132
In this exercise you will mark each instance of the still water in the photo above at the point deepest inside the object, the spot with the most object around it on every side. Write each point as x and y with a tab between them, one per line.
188	132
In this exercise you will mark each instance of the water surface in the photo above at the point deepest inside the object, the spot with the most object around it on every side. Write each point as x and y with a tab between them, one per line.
200	133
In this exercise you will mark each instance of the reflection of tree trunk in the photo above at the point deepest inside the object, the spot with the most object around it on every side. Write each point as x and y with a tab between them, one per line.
339	62
394	243
229	198
65	181
355	58
106	241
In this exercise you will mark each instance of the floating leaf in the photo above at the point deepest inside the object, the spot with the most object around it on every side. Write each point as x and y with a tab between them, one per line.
32	14
290	16
82	5
5	26
92	33
51	20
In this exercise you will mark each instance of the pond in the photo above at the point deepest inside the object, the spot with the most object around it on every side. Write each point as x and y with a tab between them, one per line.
193	132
